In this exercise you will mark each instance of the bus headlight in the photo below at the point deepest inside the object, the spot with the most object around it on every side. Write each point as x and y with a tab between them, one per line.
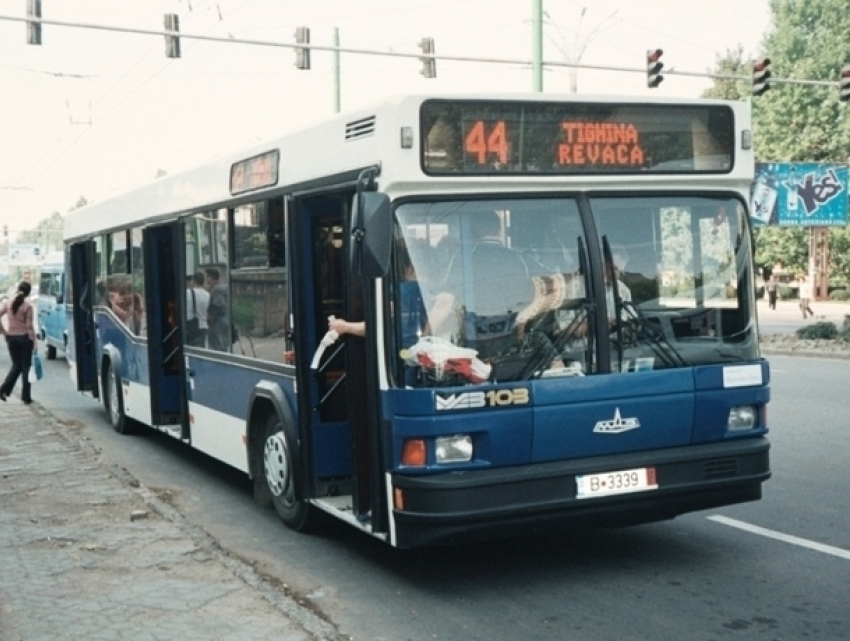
453	449
742	417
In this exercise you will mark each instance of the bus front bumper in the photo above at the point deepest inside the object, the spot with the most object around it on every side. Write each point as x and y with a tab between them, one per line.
520	501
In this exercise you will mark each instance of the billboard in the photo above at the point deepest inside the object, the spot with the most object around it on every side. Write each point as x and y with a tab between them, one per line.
799	194
25	255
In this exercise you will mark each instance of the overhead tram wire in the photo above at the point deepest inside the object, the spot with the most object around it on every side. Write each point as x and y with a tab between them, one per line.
416	56
85	131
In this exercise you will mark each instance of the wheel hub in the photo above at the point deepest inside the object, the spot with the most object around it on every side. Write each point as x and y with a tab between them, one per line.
276	463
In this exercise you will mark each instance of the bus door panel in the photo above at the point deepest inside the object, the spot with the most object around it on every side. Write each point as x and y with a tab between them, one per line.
84	344
334	397
163	248
315	296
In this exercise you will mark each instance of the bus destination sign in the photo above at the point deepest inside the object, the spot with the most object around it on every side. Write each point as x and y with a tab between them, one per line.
498	137
255	172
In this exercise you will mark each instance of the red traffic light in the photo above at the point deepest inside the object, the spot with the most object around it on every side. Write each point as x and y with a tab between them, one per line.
761	65
761	76
654	67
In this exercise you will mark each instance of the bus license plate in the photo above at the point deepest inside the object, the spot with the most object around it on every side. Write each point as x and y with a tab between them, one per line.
621	482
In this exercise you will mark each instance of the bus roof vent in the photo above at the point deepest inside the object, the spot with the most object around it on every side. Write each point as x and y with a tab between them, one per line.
360	128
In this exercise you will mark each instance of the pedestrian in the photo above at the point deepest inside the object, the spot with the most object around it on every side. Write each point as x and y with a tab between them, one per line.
805	296
197	309
771	292
21	340
219	334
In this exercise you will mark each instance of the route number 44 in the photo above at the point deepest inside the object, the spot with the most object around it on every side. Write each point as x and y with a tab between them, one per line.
482	143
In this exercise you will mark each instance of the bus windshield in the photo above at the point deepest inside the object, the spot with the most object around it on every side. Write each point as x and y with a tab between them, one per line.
518	288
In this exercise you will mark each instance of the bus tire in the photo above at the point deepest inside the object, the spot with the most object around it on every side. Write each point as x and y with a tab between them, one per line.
113	402
279	474
50	352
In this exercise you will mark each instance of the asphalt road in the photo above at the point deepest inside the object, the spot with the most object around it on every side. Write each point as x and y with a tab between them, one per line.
775	569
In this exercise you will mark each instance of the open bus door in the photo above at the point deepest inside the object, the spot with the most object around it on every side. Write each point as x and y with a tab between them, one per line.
339	442
164	294
83	287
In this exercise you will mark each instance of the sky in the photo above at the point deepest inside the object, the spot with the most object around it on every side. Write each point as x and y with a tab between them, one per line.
92	113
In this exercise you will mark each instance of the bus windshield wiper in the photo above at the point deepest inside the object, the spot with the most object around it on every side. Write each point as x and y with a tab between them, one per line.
545	350
650	333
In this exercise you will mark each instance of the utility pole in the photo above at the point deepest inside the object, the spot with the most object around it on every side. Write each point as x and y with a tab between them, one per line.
337	78
537	44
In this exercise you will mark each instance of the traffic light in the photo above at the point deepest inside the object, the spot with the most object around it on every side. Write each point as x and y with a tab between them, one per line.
654	67
172	43
302	54
844	84
429	64
761	76
33	27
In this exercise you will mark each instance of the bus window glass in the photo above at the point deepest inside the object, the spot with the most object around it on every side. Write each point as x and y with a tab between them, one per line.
682	263
137	267
259	296
250	235
494	276
215	263
119	285
207	274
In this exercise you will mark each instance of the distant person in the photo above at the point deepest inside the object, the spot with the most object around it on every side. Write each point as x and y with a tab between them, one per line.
219	335
21	340
197	310
771	292
805	296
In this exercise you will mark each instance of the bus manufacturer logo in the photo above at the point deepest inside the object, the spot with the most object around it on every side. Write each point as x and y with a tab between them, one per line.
466	400
490	398
617	425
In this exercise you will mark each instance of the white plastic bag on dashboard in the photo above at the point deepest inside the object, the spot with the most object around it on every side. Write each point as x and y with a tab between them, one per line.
441	357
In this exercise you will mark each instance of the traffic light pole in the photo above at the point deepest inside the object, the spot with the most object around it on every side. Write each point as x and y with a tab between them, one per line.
537	45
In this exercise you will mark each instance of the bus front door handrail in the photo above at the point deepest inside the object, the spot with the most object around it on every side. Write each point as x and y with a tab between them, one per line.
321	370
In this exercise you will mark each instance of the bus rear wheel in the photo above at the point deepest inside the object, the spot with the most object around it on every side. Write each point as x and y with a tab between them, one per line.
50	353
279	473
114	403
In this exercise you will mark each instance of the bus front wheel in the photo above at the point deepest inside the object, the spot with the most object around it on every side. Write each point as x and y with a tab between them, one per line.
279	473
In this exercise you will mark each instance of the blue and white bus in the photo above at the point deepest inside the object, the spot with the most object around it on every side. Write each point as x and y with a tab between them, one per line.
52	312
557	305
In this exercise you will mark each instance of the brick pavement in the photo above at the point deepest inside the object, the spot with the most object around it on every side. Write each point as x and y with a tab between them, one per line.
87	553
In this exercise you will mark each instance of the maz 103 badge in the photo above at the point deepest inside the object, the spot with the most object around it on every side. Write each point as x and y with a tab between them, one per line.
493	398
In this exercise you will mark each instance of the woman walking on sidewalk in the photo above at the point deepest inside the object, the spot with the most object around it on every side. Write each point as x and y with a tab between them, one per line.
805	295
20	337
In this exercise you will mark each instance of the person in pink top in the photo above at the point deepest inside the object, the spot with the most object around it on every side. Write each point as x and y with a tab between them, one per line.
20	337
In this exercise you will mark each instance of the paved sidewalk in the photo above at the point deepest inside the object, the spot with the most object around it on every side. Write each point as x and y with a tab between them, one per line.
86	553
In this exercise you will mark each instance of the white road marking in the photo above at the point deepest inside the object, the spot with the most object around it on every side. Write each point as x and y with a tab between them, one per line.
779	536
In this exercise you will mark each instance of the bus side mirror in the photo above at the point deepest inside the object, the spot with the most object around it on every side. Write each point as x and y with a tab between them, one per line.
371	234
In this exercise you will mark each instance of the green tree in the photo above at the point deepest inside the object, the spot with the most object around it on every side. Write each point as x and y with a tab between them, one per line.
731	64
788	246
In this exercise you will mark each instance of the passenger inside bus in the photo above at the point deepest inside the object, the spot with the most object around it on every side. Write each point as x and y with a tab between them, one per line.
501	288
411	305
